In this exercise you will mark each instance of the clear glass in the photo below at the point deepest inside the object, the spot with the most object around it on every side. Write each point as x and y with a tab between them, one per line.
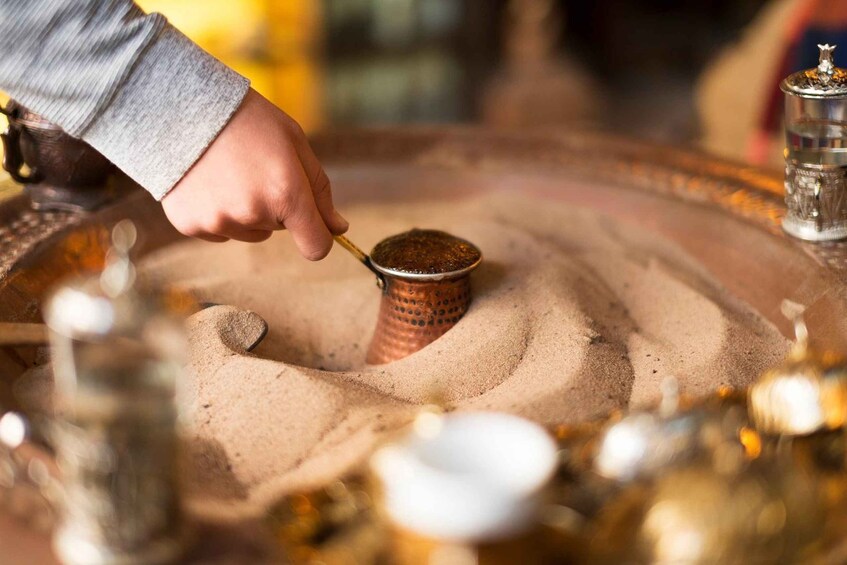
816	130
117	441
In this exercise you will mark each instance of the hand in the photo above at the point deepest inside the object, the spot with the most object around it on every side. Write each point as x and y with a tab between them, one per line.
259	175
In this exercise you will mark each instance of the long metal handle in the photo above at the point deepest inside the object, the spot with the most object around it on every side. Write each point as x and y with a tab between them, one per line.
363	257
352	248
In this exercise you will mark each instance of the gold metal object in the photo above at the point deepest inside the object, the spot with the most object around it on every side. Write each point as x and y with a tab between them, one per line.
335	524
353	249
805	394
734	504
645	444
698	515
530	548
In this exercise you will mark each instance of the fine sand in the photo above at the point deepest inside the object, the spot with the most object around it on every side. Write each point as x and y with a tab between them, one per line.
574	315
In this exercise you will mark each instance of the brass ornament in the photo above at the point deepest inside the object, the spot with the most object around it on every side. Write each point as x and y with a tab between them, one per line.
699	515
335	524
805	394
729	508
644	444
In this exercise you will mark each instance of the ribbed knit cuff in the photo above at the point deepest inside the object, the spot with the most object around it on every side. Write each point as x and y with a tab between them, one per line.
175	101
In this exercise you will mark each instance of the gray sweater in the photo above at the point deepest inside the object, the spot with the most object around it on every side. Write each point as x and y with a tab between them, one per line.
126	82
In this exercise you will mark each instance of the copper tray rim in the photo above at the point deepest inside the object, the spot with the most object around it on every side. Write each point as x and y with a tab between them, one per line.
749	194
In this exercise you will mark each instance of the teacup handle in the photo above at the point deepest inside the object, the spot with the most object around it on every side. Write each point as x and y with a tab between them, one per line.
13	160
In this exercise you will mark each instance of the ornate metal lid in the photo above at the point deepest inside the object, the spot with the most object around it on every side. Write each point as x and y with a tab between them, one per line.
824	81
425	255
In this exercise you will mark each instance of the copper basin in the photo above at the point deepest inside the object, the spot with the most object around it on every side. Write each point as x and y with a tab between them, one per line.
684	196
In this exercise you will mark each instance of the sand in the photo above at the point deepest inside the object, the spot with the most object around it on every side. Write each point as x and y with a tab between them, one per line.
574	315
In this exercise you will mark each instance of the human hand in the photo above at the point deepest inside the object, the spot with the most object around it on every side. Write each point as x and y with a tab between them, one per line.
259	175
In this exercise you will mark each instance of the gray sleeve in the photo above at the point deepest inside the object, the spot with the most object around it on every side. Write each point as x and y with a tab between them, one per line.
126	82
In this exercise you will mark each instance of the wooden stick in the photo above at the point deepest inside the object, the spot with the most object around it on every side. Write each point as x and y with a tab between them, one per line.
22	334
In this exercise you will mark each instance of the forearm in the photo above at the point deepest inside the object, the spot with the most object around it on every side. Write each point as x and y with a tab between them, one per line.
128	83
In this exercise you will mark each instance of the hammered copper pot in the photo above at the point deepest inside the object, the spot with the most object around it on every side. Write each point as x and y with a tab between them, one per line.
426	292
65	173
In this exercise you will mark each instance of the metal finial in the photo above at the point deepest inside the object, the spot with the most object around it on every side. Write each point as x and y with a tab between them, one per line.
794	312
119	274
826	68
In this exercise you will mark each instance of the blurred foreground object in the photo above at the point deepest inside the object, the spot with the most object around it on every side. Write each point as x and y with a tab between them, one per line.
705	492
466	488
116	359
799	408
804	395
642	444
707	514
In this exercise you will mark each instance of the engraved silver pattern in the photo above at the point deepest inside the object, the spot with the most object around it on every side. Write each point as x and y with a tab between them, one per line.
816	202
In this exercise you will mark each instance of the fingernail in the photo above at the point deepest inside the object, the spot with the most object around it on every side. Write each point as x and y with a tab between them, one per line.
340	222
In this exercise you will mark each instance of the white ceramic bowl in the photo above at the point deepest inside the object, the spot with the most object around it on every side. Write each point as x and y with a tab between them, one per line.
478	478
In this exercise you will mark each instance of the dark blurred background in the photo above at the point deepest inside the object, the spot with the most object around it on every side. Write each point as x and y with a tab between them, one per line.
698	72
635	62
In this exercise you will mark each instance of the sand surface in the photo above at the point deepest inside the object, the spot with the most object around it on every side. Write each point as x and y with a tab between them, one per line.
574	315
